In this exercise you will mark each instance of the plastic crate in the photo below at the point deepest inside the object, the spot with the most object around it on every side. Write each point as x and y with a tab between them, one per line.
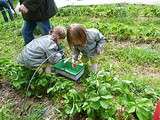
65	68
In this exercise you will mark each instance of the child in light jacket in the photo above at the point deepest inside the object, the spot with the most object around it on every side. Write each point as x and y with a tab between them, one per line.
45	50
89	42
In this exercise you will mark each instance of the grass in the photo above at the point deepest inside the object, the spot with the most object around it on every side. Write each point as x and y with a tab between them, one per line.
34	113
125	22
134	23
125	60
129	23
152	81
138	56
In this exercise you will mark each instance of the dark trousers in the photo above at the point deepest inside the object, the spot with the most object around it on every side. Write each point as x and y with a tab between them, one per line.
4	7
29	27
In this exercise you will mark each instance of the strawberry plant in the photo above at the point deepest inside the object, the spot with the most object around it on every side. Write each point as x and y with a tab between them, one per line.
102	97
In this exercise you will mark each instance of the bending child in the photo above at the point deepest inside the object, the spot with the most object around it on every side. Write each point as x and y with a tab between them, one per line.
89	42
45	49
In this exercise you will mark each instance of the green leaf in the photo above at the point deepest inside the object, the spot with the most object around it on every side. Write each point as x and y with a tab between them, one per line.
43	82
17	84
78	108
85	105
28	93
144	102
67	109
94	99
50	89
149	91
104	104
127	81
107	97
103	90
72	110
95	105
111	118
73	91
142	114
132	109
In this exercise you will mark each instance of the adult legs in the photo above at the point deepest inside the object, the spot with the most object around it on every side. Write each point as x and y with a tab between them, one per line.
29	26
44	26
4	14
5	5
27	31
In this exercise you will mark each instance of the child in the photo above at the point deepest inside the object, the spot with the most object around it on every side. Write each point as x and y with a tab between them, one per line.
45	49
89	42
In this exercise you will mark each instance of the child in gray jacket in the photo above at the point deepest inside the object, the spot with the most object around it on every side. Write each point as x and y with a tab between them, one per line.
44	50
89	42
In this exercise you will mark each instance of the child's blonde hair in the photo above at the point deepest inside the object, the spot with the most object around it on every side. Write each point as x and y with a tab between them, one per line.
60	31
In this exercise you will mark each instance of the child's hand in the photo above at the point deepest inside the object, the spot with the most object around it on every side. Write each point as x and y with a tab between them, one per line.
74	65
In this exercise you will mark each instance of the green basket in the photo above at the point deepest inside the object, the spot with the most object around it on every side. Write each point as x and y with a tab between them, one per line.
64	68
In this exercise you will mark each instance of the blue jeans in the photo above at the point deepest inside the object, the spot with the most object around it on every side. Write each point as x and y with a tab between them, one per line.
29	27
4	7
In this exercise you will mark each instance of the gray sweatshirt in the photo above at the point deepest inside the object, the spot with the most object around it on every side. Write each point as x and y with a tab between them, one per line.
95	40
38	50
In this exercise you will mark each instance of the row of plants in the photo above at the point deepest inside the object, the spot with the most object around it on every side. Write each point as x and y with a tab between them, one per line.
126	30
106	97
113	10
120	25
122	32
100	96
136	56
115	28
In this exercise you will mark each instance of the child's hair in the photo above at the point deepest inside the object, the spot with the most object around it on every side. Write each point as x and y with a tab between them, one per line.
60	31
78	31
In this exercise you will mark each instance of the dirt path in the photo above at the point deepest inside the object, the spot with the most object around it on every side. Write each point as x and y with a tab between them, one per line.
148	71
8	96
